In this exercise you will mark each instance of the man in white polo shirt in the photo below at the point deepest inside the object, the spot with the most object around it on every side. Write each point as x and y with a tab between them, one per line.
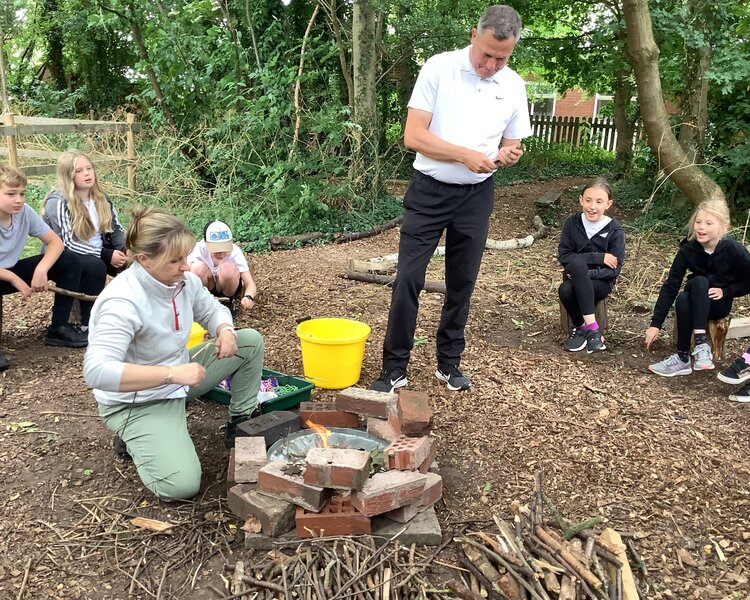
466	118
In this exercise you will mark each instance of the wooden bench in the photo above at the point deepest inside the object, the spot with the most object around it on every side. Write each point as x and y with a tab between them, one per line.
600	313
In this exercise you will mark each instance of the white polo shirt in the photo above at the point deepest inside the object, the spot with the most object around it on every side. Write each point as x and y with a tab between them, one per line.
468	111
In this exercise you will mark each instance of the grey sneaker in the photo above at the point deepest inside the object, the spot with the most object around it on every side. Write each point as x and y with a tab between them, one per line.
671	366
704	360
736	373
576	341
594	341
741	395
452	376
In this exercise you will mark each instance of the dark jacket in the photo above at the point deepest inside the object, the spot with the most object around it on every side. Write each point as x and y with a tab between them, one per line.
575	244
727	268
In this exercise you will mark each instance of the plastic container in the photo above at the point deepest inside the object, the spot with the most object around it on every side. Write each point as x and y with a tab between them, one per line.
197	335
332	351
282	402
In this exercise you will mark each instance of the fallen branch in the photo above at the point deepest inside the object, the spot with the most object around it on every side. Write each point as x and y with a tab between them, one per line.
437	287
341	238
278	242
63	292
525	242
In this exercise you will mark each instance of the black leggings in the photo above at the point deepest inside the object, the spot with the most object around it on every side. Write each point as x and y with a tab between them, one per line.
695	309
578	293
93	277
66	273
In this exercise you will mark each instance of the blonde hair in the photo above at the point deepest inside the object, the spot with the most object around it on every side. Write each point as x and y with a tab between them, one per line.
717	208
80	220
153	232
12	177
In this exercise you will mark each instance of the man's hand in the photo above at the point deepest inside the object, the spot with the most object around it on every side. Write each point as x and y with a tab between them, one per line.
508	155
39	280
610	260
477	162
118	259
226	343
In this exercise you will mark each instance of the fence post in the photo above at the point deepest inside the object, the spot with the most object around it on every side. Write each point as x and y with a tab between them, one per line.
9	121
130	118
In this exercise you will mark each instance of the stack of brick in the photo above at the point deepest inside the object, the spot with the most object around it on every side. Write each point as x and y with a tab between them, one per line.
330	492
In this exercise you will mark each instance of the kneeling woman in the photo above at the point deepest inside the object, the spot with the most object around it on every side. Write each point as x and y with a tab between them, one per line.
139	367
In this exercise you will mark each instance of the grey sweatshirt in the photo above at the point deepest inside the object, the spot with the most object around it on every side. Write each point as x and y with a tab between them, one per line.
138	320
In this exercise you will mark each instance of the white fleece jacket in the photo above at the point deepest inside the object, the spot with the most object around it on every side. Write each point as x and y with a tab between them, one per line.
138	320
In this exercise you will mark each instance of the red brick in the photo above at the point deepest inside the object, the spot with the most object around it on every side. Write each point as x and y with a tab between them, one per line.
337	468
249	455
367	403
414	413
387	429
274	480
326	414
430	460
388	491
339	517
433	491
276	516
407	453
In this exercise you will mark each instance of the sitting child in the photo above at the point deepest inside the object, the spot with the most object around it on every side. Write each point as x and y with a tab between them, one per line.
28	275
592	250
719	272
221	265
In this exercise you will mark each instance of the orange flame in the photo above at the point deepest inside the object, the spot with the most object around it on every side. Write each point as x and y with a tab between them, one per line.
323	433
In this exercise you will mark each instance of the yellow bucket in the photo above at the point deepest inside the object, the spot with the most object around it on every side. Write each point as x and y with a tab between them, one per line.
197	335
332	351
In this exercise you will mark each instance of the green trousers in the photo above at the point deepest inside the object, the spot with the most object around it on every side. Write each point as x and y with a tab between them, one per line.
156	432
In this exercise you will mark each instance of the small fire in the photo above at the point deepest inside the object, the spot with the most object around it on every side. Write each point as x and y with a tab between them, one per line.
323	433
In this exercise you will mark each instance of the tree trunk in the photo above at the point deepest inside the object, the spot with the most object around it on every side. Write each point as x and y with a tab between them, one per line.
53	35
364	168
624	125
3	81
331	9
695	102
673	162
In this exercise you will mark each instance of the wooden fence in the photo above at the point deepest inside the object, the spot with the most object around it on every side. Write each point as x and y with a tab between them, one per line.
578	131
16	126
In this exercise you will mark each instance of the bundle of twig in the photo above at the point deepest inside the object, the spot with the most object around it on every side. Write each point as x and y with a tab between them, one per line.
529	559
336	568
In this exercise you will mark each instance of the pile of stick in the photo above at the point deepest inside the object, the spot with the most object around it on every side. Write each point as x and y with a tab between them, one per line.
345	567
529	558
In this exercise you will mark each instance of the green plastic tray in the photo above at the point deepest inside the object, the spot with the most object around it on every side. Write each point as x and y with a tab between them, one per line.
283	402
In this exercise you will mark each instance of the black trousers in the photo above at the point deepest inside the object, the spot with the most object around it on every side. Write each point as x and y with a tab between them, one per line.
578	293
93	277
66	273
695	309
432	207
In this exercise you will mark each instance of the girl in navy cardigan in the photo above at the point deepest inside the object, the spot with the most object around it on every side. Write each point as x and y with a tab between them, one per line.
592	250
719	272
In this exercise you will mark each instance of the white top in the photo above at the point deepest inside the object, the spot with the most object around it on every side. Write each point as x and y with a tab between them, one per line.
593	228
201	253
96	239
468	111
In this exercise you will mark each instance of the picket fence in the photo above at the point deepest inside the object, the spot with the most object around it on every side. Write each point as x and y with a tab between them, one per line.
579	130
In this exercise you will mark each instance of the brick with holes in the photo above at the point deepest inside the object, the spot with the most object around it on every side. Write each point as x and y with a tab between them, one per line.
285	480
337	468
367	403
407	453
327	415
388	491
339	517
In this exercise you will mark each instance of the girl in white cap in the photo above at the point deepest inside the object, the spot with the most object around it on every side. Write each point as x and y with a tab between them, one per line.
221	265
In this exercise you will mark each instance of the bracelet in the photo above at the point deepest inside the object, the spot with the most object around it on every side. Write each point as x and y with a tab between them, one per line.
249	296
168	378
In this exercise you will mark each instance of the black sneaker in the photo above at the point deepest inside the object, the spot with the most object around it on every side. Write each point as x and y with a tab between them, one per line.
120	448
736	373
576	341
594	342
452	376
4	363
741	395
230	434
389	380
66	335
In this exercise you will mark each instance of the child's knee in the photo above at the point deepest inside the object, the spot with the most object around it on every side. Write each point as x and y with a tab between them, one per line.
227	271
699	283
577	267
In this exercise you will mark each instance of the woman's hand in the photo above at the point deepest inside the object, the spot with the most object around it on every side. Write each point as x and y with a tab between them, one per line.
651	334
715	293
190	374
226	343
610	260
119	259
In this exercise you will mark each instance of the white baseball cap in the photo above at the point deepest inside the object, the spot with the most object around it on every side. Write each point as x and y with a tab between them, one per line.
218	237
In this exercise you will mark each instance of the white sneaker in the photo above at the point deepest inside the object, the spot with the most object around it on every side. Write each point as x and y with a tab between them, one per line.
704	360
